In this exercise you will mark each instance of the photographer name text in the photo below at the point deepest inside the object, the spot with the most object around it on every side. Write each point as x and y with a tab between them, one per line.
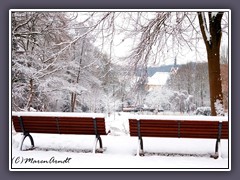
52	160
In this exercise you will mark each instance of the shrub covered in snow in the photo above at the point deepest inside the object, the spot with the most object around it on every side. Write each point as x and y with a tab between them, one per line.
206	111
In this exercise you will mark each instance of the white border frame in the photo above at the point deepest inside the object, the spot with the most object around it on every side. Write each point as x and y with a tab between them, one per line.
119	10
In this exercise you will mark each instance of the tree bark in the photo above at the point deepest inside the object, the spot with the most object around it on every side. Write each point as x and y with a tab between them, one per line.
74	95
213	54
31	93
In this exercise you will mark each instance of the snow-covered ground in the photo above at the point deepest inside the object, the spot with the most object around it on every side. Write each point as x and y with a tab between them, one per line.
75	151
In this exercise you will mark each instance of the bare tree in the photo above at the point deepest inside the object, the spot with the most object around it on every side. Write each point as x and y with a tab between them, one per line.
212	33
158	33
193	78
179	28
156	36
34	35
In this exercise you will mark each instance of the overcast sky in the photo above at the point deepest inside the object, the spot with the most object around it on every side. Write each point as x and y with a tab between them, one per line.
122	46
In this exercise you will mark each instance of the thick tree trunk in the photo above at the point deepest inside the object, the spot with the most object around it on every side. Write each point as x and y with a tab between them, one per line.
214	80
212	39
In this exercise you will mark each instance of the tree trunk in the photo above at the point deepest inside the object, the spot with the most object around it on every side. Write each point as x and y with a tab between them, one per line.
73	100
201	94
212	39
30	99
74	94
214	80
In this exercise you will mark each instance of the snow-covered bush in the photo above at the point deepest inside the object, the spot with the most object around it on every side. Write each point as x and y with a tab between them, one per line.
219	108
206	111
166	99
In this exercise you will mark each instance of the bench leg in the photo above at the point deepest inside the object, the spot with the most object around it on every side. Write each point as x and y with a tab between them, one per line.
217	152
23	138
98	139
140	151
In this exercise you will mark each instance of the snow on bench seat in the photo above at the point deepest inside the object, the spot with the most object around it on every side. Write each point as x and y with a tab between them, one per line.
179	127
59	123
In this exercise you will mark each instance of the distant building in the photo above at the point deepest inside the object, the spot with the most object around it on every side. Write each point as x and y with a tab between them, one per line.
159	79
158	76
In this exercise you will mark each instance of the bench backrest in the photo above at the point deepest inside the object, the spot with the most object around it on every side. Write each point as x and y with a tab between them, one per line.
59	125
178	128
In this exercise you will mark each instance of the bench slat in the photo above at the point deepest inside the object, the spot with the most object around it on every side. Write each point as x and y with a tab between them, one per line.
62	125
183	129
178	129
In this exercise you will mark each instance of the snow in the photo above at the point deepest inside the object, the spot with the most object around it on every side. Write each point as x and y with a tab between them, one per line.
75	151
55	114
158	79
214	14
219	107
206	29
184	118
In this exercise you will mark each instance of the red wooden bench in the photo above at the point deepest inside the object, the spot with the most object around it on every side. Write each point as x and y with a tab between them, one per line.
59	123
183	127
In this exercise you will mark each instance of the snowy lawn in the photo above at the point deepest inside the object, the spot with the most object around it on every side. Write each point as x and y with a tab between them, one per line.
75	151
